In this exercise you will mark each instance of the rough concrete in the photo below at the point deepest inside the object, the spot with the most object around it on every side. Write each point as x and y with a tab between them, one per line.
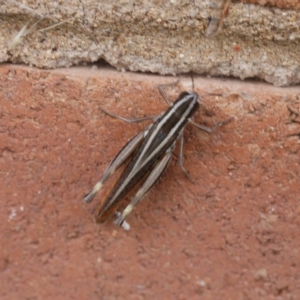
232	234
165	37
291	4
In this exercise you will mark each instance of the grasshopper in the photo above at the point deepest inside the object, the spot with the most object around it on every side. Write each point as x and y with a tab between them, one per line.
147	154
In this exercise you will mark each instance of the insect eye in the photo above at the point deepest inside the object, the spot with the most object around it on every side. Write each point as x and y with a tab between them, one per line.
183	94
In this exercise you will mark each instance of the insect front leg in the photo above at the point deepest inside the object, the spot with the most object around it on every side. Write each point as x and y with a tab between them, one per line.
155	174
135	120
162	91
210	129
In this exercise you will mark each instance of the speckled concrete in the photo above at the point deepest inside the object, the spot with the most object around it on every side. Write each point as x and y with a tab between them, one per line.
291	4
165	37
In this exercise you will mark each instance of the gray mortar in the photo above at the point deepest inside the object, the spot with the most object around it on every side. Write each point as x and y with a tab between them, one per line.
165	37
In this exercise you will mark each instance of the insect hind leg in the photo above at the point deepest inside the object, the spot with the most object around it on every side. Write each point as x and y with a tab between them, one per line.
150	181
122	156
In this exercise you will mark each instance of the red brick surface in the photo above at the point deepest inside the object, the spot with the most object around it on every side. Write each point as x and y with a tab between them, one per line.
232	234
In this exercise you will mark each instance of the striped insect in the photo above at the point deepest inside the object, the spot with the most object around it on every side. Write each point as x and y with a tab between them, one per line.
147	155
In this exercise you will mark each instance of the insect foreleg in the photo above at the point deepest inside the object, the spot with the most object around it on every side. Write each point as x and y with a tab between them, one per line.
162	91
210	129
129	120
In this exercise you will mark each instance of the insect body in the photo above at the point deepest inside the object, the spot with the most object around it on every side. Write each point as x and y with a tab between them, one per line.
149	153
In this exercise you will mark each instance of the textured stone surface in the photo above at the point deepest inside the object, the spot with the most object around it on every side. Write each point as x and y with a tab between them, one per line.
165	37
291	4
232	234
